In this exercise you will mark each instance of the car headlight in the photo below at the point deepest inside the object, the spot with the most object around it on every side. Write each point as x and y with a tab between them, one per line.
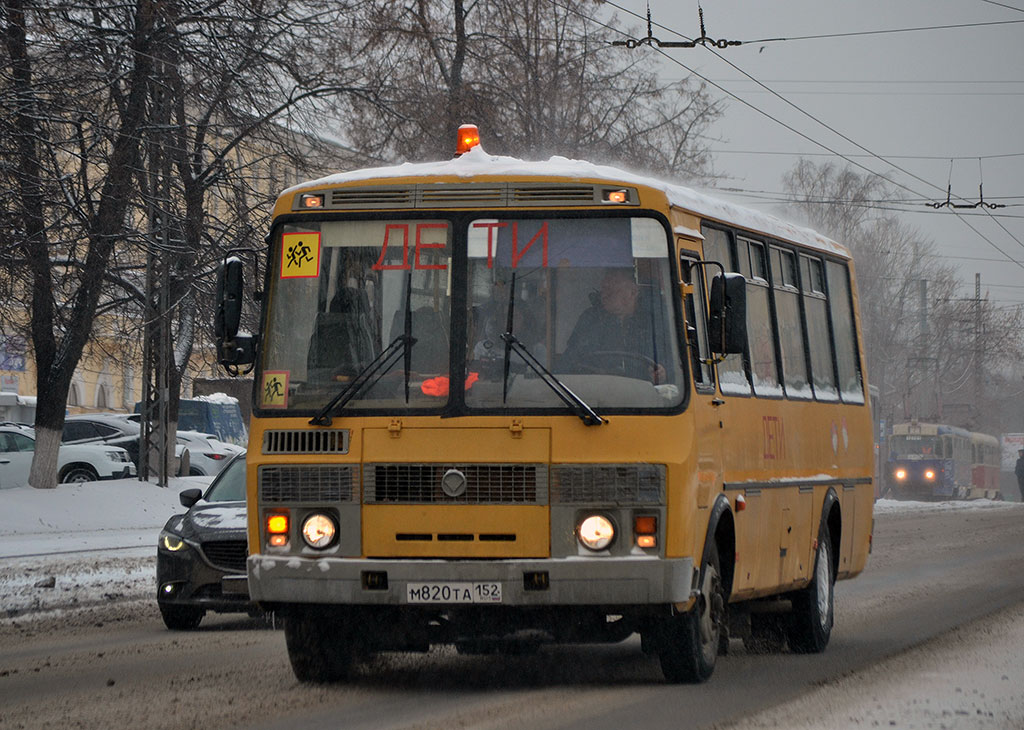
596	532
929	475
115	456
319	530
900	474
171	542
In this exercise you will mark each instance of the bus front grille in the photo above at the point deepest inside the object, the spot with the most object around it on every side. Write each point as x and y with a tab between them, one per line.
608	484
469	484
303	484
304	441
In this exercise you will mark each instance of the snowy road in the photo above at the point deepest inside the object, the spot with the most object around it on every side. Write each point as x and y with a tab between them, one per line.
933	574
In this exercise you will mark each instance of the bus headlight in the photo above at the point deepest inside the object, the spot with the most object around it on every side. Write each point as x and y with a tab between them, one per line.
929	475
319	530
900	474
596	532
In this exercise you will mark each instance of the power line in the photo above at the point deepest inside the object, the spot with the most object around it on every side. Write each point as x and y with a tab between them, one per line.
885	31
944	158
853	162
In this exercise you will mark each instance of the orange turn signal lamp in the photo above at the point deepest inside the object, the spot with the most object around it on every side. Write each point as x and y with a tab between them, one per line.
646	529
277	529
469	137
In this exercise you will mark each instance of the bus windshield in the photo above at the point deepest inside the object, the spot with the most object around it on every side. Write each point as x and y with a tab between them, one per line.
913	445
590	298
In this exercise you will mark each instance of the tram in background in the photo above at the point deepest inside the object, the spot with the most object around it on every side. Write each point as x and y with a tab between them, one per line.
445	449
935	461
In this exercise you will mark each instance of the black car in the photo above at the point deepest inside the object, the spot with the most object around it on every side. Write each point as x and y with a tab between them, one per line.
200	557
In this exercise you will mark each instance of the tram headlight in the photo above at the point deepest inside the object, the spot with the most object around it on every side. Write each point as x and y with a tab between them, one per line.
595	532
319	530
929	475
900	474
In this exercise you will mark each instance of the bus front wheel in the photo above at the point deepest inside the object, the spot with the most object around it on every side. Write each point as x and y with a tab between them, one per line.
813	607
318	648
688	643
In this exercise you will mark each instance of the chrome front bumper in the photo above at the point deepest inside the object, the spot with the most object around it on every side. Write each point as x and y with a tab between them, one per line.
609	581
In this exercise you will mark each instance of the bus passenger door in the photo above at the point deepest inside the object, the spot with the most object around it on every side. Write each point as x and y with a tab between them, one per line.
704	403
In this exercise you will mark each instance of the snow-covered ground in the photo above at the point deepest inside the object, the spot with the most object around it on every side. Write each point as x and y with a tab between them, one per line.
82	545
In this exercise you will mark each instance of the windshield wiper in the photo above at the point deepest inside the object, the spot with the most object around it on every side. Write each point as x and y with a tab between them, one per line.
376	368
512	343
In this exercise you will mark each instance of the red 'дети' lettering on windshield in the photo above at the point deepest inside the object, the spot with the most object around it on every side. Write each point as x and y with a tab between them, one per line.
404	266
517	255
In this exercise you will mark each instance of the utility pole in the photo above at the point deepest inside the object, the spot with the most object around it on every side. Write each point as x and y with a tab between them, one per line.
979	355
153	448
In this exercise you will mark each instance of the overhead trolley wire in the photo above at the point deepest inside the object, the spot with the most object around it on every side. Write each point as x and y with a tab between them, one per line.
810	116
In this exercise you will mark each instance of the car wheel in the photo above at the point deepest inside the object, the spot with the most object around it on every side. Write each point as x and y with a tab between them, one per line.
688	643
182	618
77	473
195	472
319	649
813	607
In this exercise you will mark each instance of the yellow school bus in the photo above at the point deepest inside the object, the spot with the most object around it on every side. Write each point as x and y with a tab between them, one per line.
500	403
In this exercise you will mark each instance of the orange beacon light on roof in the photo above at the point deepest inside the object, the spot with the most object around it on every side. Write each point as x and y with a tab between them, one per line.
469	137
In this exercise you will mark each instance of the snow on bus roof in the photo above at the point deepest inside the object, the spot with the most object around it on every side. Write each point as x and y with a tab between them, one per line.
477	163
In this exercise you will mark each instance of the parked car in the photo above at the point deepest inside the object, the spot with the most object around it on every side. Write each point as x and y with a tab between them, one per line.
200	556
75	462
206	453
116	429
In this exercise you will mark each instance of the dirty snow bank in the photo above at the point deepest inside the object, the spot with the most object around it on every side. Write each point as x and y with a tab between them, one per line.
968	679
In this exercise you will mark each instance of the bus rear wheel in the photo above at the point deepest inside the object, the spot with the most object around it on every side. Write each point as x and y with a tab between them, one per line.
814	606
688	643
319	649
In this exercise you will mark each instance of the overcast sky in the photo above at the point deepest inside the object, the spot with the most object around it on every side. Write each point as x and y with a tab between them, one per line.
916	99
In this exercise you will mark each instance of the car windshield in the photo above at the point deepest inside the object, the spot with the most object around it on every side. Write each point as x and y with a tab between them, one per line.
591	296
229	486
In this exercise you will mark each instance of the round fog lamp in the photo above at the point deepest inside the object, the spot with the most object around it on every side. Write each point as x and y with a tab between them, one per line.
901	474
929	475
596	532
318	530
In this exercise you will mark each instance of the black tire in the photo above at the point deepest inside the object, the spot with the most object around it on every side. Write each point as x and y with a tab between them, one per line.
814	606
319	650
78	473
182	618
688	643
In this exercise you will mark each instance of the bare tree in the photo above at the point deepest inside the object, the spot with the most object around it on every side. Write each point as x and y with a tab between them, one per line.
76	94
128	120
540	78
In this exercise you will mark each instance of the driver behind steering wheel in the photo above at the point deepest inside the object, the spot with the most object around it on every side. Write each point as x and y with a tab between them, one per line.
616	336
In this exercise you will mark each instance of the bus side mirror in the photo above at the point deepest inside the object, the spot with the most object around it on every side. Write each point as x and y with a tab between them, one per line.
727	315
233	349
230	282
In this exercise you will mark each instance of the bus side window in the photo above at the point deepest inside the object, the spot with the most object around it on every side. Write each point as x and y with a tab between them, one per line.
697	324
732	376
851	384
760	324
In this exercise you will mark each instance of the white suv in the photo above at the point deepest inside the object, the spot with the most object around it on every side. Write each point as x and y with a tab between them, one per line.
75	463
